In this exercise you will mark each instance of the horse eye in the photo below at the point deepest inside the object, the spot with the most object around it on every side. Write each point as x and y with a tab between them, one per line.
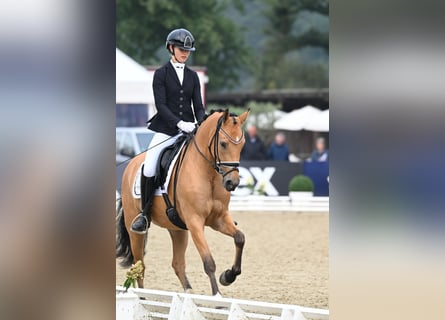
223	144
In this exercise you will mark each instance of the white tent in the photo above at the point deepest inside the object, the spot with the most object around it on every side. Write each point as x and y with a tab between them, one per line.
265	119
319	123
297	119
133	81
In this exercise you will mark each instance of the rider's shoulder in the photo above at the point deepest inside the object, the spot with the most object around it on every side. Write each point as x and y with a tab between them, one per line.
193	72
190	69
162	69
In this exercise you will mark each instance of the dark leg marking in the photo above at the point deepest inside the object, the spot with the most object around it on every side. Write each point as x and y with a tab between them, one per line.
229	276
210	268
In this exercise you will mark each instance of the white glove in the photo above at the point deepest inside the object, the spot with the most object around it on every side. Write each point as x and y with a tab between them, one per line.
186	126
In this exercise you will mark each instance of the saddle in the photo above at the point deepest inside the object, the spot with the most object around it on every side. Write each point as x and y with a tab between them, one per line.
165	159
164	162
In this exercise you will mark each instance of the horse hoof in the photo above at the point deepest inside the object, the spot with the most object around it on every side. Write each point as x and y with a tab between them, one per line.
227	277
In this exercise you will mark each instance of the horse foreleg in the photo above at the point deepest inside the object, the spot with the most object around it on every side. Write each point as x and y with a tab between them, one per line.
228	227
197	232
179	244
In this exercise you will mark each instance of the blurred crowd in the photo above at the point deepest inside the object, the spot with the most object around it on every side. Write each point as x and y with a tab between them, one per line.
278	150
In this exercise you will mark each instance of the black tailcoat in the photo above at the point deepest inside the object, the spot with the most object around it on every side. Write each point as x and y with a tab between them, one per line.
173	100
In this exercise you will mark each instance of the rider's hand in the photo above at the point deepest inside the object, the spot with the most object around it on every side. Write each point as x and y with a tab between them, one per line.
186	126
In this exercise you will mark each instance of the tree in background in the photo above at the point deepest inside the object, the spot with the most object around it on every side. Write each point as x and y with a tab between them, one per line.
296	32
143	25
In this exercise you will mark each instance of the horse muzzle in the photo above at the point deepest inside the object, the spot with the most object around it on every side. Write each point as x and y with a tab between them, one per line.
230	177
231	184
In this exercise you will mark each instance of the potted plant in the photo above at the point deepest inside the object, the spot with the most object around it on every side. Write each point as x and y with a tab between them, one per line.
301	186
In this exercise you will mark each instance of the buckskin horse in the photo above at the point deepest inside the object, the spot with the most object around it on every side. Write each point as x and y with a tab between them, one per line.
209	171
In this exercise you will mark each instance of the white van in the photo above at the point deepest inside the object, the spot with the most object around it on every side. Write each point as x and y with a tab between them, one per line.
130	141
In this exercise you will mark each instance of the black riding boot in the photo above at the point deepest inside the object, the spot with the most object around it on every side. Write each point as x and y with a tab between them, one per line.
143	220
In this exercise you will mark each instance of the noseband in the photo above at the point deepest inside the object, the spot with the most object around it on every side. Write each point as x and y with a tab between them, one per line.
217	164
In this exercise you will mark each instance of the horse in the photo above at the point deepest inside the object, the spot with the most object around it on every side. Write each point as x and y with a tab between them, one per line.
208	173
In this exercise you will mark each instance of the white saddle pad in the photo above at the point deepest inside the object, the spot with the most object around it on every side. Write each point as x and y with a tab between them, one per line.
137	181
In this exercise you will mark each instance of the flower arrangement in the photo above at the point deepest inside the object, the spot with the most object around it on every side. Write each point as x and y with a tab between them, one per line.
260	190
135	273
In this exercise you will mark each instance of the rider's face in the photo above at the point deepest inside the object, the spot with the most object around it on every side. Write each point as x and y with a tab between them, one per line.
181	55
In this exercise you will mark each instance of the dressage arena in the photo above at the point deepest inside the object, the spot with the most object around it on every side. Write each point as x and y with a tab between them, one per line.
285	259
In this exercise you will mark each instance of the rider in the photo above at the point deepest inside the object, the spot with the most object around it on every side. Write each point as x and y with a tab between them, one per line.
175	87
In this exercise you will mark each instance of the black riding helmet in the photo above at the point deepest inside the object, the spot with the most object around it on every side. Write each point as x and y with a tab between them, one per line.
182	39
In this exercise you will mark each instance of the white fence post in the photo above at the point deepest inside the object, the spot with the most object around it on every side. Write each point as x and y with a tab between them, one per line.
175	308
292	314
190	311
126	306
236	313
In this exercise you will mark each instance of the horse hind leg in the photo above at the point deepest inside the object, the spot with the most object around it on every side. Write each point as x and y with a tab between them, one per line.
138	248
228	228
130	246
179	241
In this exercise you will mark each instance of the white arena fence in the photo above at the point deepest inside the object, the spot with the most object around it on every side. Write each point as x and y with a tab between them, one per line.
138	304
279	204
270	204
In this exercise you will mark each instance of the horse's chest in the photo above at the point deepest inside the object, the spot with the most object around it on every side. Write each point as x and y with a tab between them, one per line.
218	208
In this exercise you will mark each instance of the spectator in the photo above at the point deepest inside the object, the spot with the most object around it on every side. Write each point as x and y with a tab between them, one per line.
320	153
254	148
278	150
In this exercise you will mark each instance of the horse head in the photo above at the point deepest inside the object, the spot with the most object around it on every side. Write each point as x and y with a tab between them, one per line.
226	143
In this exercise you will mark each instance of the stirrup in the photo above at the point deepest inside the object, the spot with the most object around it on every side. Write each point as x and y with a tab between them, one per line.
146	222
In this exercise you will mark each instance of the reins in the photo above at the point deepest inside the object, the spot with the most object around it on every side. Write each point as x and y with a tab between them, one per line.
121	163
217	164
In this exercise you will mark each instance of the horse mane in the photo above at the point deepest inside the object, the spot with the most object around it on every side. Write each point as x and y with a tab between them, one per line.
231	114
222	110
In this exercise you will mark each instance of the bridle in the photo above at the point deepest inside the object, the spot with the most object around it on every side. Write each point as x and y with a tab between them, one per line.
217	164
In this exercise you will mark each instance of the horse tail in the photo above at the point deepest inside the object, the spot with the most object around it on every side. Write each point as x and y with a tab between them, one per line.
123	248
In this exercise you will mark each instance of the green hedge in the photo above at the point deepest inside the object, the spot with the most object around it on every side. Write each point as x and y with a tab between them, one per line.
301	183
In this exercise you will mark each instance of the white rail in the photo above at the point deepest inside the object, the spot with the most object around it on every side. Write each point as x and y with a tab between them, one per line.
280	204
138	304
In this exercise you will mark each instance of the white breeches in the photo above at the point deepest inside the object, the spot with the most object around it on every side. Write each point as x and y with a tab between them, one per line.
159	142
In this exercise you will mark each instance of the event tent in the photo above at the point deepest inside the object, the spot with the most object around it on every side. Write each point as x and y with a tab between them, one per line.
265	119
133	81
297	119
320	123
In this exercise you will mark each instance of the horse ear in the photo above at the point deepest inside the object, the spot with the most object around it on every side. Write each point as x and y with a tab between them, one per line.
244	115
226	115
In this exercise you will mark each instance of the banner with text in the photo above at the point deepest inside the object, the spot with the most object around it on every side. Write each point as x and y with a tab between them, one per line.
269	178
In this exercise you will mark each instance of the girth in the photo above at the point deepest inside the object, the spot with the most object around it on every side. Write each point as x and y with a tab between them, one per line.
165	160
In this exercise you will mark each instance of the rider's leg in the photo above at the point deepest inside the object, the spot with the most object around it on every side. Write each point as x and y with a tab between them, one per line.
157	144
143	220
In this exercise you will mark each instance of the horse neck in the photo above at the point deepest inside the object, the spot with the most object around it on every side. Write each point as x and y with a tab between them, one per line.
203	138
